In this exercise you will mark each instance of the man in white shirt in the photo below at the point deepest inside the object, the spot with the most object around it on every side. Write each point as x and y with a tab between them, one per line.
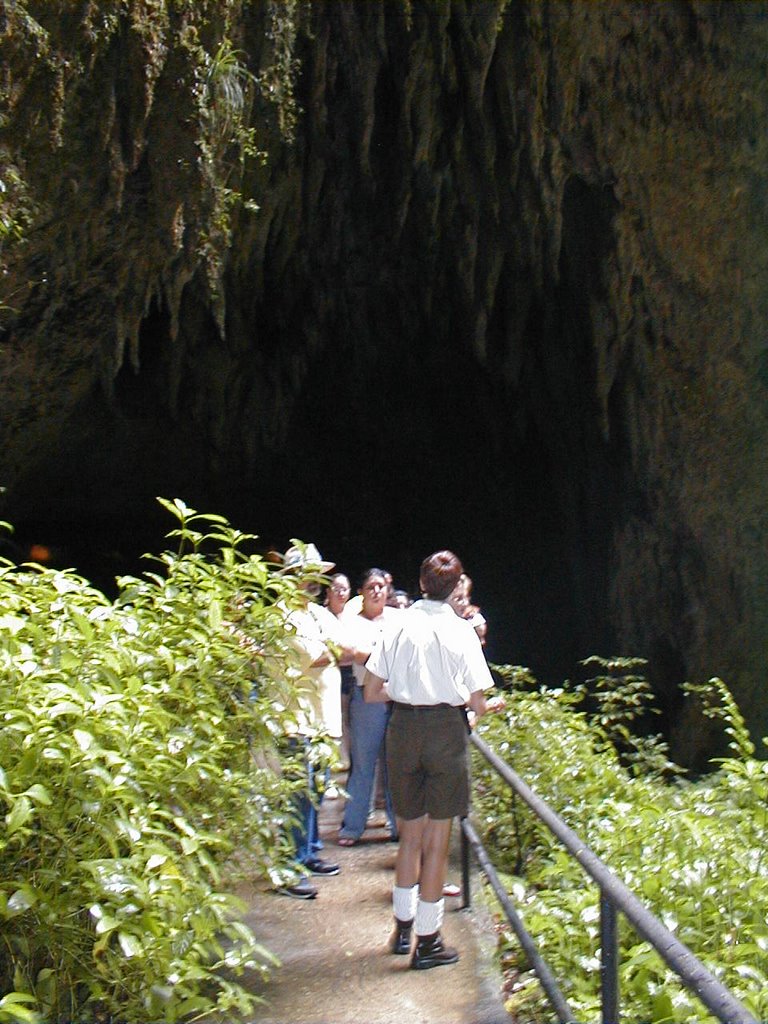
318	643
430	664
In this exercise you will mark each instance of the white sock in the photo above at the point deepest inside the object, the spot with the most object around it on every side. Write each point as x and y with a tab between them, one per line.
429	917
404	902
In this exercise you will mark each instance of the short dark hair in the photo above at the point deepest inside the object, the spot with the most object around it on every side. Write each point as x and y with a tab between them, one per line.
370	573
440	574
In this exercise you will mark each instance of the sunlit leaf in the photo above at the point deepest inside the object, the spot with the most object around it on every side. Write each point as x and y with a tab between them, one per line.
39	794
65	707
13	1008
83	739
129	944
19	814
106	924
22	899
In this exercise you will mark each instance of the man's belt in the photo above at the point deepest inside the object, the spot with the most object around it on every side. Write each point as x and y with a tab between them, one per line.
424	707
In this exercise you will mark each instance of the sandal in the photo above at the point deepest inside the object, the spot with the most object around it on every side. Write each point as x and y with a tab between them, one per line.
346	841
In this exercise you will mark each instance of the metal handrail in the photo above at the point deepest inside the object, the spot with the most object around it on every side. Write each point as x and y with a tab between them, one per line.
613	894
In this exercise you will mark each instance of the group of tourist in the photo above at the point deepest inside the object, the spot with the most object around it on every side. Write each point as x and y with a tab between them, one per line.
395	682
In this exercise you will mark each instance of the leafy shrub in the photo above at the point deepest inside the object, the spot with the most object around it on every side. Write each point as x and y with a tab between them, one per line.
694	853
138	770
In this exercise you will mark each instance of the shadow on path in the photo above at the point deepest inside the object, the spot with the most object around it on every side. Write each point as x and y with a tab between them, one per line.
335	965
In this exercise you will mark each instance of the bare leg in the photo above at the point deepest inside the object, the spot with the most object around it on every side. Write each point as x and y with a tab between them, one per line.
423	855
408	864
422	860
434	862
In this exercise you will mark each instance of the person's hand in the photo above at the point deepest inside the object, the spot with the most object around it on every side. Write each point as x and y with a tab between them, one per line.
347	654
497	703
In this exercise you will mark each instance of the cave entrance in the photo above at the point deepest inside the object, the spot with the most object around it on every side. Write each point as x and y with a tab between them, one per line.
400	439
407	441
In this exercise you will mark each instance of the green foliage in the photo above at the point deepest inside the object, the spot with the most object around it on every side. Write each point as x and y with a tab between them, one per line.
141	771
227	141
623	696
17	211
278	81
717	702
51	58
693	853
228	79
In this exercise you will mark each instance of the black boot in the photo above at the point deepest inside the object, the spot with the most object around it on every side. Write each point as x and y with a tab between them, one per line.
430	952
400	939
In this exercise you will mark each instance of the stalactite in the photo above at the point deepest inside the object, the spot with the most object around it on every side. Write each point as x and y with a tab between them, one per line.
555	209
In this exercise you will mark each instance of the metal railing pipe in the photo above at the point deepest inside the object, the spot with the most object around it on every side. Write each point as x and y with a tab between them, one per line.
543	973
466	881
676	954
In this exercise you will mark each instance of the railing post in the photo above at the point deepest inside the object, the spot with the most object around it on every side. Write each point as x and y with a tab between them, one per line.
466	894
609	960
694	975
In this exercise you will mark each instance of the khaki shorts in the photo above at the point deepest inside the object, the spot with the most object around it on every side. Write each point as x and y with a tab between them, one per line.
427	761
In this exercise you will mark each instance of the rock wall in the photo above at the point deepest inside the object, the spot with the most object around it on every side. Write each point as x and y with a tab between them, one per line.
506	287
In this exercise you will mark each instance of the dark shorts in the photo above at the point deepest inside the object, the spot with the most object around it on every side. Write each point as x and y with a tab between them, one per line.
427	761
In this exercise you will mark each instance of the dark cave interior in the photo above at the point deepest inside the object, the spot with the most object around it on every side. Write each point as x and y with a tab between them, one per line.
388	452
390	446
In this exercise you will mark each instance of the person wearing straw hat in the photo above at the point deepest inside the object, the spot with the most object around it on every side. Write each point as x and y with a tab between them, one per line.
319	646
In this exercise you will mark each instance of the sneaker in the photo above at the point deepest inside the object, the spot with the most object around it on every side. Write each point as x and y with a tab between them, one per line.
300	890
321	867
431	951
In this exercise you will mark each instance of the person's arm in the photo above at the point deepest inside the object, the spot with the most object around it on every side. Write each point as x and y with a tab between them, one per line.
347	655
477	703
480	705
337	654
373	689
326	658
478	675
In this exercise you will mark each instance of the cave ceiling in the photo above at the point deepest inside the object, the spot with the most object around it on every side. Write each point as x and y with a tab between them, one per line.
497	283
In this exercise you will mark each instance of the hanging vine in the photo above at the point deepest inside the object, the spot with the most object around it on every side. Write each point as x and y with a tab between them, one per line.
53	56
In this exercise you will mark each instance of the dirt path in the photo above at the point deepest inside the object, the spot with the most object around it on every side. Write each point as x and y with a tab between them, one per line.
335	966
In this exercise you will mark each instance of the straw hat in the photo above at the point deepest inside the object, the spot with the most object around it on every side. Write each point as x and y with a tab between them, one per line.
305	557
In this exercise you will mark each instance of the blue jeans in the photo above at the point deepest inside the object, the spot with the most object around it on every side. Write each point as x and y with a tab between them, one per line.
368	727
305	832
